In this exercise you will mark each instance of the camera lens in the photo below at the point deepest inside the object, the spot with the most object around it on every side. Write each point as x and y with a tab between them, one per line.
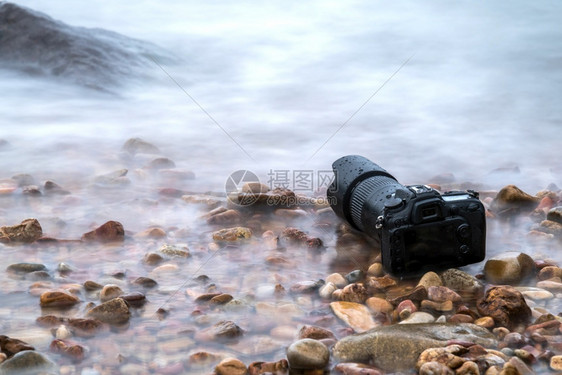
361	190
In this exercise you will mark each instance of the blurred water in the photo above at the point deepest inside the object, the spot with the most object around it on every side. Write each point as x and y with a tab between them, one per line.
481	91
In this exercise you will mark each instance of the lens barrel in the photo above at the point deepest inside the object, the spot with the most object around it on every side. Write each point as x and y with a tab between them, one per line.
360	191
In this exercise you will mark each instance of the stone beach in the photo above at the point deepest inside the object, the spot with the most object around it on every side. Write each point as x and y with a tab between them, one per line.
195	282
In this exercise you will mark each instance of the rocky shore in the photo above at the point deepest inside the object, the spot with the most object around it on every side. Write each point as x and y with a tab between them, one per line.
264	281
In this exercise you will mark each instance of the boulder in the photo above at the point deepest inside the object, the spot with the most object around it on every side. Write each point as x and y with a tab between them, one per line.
27	231
36	44
509	268
397	347
27	363
506	305
511	200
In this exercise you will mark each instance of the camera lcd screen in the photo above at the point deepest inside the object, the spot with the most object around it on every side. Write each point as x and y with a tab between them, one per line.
431	244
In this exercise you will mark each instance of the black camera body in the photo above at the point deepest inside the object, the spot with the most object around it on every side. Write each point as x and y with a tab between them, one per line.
419	229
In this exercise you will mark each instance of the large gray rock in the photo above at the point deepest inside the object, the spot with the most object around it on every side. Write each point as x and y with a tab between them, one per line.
26	363
397	347
34	43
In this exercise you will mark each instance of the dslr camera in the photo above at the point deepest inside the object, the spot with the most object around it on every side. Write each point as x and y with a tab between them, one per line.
419	229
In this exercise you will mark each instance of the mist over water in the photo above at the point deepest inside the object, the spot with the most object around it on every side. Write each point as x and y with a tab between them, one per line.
481	90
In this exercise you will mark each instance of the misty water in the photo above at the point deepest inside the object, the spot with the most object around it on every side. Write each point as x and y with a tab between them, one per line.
421	88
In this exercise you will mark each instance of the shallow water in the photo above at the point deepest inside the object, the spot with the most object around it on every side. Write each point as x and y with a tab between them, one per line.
480	92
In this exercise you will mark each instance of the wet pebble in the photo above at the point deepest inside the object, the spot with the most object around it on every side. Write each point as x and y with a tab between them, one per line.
430	279
505	305
316	333
110	291
11	346
461	281
279	368
418	317
555	214
25	267
350	368
354	293
27	362
355	315
442	294
111	231
145	282
537	294
445	306
27	231
174	251
326	290
354	276
337	279
114	311
556	363
549	272
57	299
308	354
232	234
509	268
379	305
75	352
231	366
224	217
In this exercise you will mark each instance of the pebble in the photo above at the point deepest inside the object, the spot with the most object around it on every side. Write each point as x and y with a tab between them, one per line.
549	272
307	354
63	332
379	305
27	231
536	294
337	279
224	217
316	333
349	368
138	145
442	294
57	299
153	259
92	285
405	309
354	276
509	268
231	366
152	233
461	318
114	311
418	317
111	231
355	315
417	294
550	285
25	267
461	281
434	368
110	291
326	290
430	279
485	321
376	269
354	293
279	367
145	282
445	306
555	214
174	251
556	363
232	234
511	200
76	352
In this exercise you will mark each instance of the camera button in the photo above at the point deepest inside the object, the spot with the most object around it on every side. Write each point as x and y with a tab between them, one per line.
464	249
463	231
393	203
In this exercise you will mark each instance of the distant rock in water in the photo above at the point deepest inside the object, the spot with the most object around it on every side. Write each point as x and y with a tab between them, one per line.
34	43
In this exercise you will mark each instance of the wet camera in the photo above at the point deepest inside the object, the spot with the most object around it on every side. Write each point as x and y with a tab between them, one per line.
419	229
